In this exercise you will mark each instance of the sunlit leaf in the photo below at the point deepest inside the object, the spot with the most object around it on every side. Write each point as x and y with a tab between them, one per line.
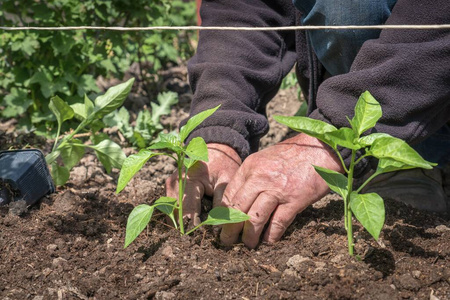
337	182
166	205
188	162
165	102
367	113
386	165
144	125
137	221
110	154
131	166
369	210
112	99
225	215
79	111
60	174
194	121
197	149
120	119
344	137
169	141
368	140
52	156
311	127
72	153
88	105
61	110
397	149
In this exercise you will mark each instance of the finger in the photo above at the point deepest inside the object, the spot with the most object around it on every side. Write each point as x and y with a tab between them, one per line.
281	219
192	201
259	214
243	200
172	186
218	193
230	232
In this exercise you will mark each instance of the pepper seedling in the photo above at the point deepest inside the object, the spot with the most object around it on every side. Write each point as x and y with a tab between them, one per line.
89	113
393	154
185	156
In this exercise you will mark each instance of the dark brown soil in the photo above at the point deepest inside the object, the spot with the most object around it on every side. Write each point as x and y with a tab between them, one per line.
70	246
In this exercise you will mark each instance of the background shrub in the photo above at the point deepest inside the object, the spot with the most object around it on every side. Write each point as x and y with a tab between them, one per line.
36	65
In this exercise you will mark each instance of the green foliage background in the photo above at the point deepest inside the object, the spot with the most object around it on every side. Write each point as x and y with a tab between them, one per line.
36	65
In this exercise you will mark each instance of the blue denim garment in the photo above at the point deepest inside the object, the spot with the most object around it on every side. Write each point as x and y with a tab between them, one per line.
436	148
336	50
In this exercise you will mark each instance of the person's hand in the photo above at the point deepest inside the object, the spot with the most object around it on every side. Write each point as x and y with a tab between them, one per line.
209	179
275	184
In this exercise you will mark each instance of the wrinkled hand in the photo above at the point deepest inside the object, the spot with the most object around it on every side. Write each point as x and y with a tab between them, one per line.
209	179
275	184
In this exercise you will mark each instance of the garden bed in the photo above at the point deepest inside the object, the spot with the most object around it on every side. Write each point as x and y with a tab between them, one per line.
70	245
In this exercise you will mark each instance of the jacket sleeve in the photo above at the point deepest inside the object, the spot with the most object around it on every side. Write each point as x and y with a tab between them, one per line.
240	70
407	71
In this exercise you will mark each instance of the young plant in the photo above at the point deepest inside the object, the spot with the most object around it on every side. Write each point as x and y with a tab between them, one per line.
147	123
185	156
393	154
90	113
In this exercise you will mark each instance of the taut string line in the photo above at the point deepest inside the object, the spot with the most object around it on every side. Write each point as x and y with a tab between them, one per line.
153	28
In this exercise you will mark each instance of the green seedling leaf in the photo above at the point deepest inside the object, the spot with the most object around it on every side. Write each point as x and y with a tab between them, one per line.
225	215
344	137
144	125
83	110
188	162
79	111
99	137
60	174
132	165
169	141
166	205
165	100
96	126
61	110
197	149
137	220
52	156
88	106
314	128
139	140
367	113
369	210
112	99
337	182
72	153
193	122
386	165
397	149
368	140
110	154
121	119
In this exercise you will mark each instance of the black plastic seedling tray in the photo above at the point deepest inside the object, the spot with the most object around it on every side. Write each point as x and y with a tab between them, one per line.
24	175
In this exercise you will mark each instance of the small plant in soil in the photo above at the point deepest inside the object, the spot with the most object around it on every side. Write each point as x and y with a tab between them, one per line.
147	123
393	154
71	148
185	156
